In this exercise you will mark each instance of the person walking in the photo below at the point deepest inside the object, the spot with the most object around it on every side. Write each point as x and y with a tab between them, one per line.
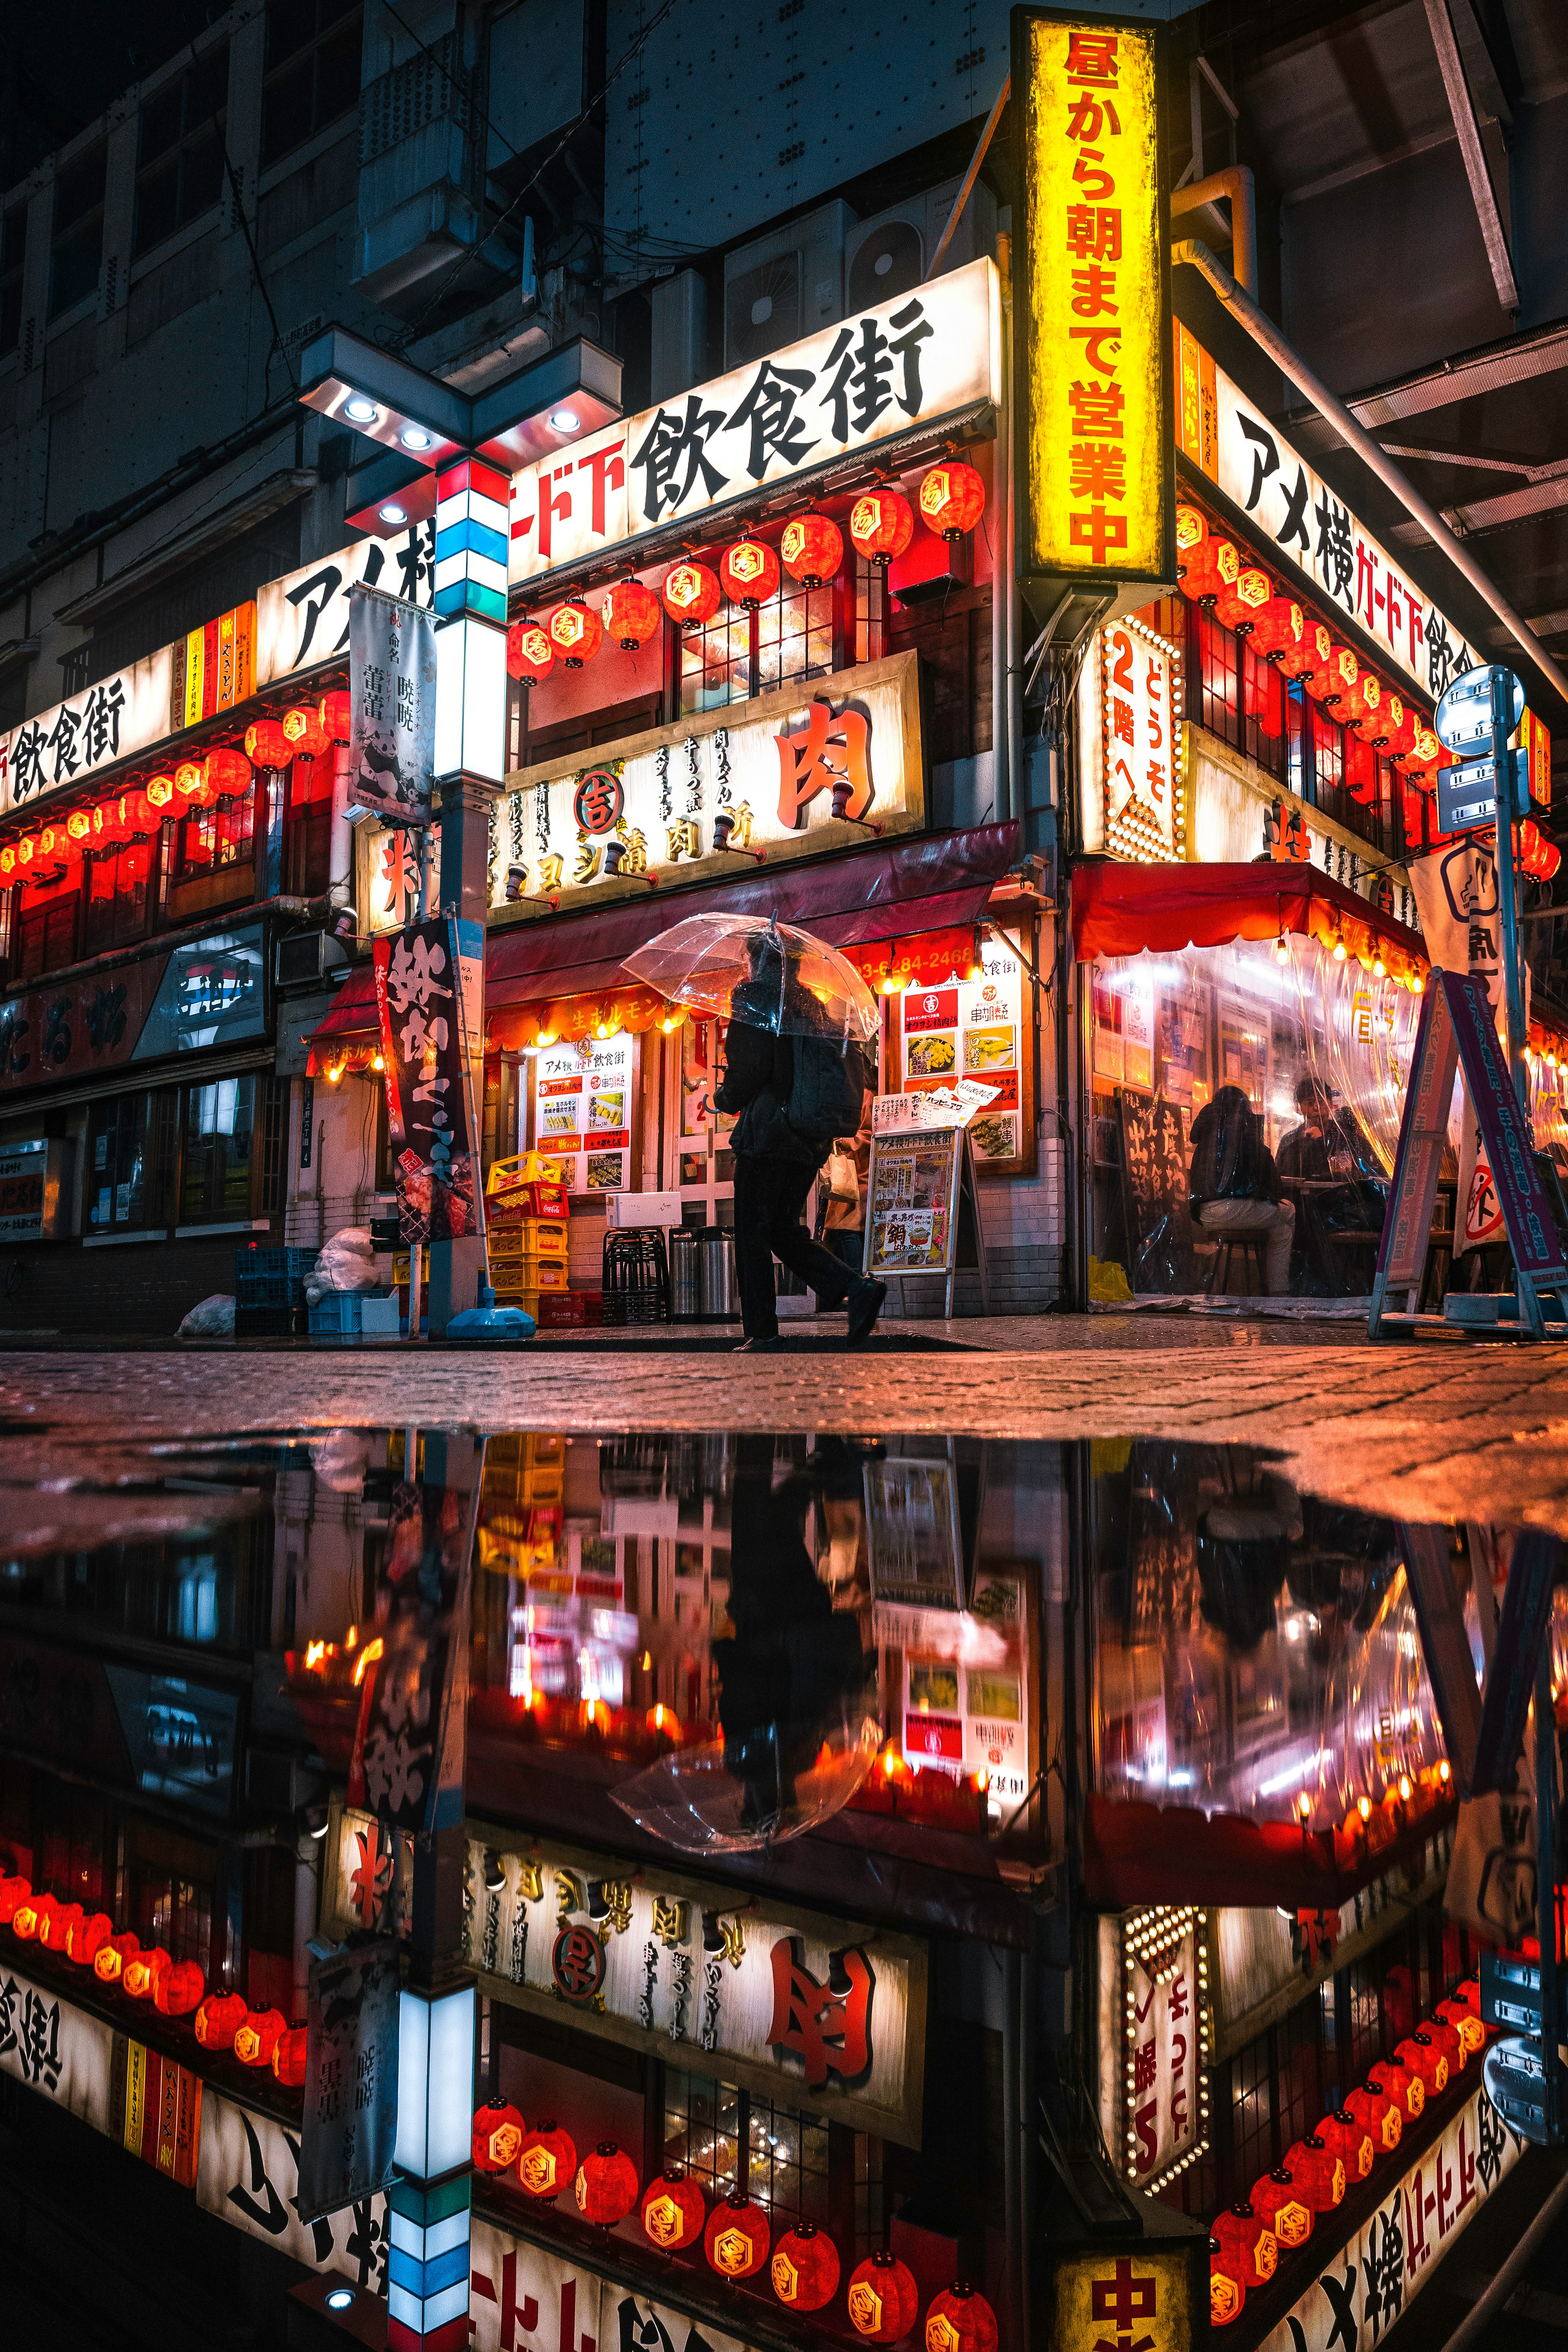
1233	1185
791	1092
845	1173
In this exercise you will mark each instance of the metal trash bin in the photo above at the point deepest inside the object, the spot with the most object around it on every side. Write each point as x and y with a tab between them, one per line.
685	1274
718	1290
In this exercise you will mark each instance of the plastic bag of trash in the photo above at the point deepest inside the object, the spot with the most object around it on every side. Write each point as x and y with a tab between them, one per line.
347	1262
210	1318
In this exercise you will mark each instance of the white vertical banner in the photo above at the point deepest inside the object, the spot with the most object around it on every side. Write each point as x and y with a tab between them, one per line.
392	705
1457	900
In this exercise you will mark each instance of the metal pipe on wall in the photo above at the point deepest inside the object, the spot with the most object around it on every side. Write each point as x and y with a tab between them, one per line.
1234	186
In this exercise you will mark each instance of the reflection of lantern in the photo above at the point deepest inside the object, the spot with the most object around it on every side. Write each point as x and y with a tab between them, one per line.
179	1988
109	1960
576	633
882	2299
1250	2246
805	2268
87	1936
1407	2089
335	712
736	2238
1227	2289
953	498
546	2161
258	2036
267	744
1421	2054
220	2018
1280	2200
227	774
673	2211
1190	529
1319	2171
881	525
529	656
1350	2139
749	572
691	593
606	2185
1238	606
1279	634
497	2135
288	2058
54	1925
140	1975
1382	2115
1209	568
811	549
960	2320
631	615
305	731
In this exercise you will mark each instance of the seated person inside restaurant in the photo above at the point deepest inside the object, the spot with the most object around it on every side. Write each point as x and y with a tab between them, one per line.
1233	1185
1327	1166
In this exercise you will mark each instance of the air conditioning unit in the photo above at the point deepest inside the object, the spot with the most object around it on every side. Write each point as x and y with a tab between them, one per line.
780	287
308	959
890	254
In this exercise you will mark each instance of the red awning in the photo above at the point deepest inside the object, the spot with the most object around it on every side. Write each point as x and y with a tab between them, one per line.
1120	908
353	1009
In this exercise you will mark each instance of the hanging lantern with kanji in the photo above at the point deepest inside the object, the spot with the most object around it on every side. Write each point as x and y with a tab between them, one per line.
1466	2021
1330	679
546	2162
576	632
335	711
267	744
159	791
219	2018
1404	2087
881	524
673	2211
749	572
497	2135
194	788
1208	569
529	656
305	731
1374	2107
54	1925
632	614
805	2268
79	829
1250	594
1539	857
27	850
606	2185
1279	634
1319	2171
1281	2201
1227	2289
1446	2035
951	499
25	1918
256	2038
882	2298
1361	706
109	1960
179	1988
87	1936
811	549
735	2239
960	2320
140	1975
228	774
1423	2057
1248	2243
1190	529
1348	2138
691	593
288	2058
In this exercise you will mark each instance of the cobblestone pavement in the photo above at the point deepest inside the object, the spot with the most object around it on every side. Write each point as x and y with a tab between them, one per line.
1441	1430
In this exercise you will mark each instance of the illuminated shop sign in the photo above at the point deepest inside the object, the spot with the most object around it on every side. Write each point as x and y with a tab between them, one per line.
1141	752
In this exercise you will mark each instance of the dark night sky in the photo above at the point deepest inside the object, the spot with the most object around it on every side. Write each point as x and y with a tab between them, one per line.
60	65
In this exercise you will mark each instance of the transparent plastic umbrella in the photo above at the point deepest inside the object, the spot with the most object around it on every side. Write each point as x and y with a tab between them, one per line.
778	1783
771	974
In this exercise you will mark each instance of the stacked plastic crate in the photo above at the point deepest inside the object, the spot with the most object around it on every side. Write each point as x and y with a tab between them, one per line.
526	1209
270	1292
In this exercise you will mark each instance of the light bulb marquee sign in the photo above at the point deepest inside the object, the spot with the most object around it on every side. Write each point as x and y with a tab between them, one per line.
1093	305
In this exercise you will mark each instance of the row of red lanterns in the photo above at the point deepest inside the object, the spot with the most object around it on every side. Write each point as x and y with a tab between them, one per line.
950	499
175	1988
882	2297
1212	572
132	819
1279	2211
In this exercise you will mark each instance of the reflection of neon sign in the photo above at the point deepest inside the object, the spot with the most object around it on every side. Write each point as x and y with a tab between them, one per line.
205	989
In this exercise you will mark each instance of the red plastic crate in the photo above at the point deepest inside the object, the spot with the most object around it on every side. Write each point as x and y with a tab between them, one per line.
561	1310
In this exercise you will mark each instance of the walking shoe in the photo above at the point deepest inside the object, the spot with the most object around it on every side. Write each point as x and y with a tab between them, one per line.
865	1305
758	1347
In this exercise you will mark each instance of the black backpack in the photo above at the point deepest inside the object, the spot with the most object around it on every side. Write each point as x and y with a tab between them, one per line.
828	1089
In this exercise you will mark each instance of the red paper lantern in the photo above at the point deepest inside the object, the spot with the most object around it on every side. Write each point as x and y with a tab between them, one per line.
141	819
135	865
109	1960
883	2299
267	744
546	2161
335	711
1331	680
953	498
79	829
1539	857
179	1988
1319	2171
159	791
219	2018
1238	608
87	1936
529	656
7	865
289	2057
1281	2201
1210	567
138	1978
735	2240
1468	2030
1361	706
606	2185
305	732
1190	529
960	2320
54	848
1279	634
881	525
1227	2289
229	772
258	2036
632	614
1424	2056
576	631
1467	1992
26	1917
673	2211
27	850
749	572
811	549
1352	2141
497	2135
1380	2114
691	593
1404	2087
805	2268
13	1891
1247	2242
55	1923
1445	2034
1398	722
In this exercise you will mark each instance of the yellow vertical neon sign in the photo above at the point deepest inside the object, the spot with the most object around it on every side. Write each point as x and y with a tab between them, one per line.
1094	323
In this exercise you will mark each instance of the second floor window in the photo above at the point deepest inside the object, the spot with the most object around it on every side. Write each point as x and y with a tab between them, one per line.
212	837
179	162
77	248
312	70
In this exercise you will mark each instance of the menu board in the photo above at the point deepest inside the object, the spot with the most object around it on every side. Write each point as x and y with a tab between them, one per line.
1154	1155
974	1029
582	1100
912	1189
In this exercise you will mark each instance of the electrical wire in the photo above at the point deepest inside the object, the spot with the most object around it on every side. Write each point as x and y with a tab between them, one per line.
276	348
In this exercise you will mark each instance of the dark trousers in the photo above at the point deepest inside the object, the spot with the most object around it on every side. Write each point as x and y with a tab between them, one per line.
770	1195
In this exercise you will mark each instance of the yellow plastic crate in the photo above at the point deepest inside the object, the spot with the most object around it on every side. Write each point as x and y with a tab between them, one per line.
515	1274
531	1237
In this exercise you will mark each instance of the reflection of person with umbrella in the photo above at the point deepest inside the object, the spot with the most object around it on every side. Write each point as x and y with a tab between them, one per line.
796	1077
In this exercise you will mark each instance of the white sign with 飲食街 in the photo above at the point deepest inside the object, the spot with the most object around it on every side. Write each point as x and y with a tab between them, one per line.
67	746
303	620
56	2050
1141	753
929	353
248	2174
